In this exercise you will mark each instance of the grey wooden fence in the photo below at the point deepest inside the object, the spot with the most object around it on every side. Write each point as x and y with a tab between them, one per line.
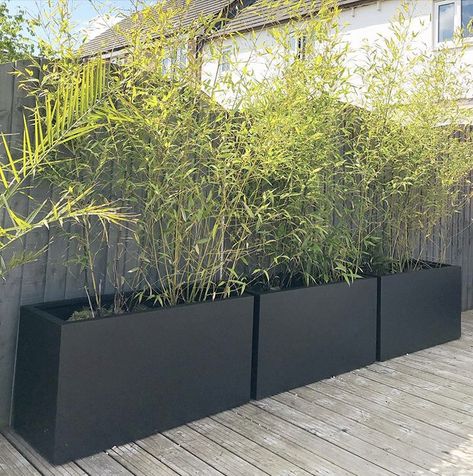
48	278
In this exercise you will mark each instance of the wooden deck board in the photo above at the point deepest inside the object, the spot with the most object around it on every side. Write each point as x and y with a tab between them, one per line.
382	422
104	465
247	449
13	463
410	405
218	457
444	401
412	415
291	446
394	452
43	466
176	457
138	461
374	459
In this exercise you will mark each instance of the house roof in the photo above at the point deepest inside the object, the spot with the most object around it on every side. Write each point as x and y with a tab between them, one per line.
260	14
264	13
114	38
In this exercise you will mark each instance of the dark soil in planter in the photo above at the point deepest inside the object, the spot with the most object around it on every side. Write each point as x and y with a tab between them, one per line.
306	334
418	309
84	386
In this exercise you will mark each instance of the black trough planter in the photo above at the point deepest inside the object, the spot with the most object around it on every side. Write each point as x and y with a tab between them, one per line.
85	386
418	309
308	334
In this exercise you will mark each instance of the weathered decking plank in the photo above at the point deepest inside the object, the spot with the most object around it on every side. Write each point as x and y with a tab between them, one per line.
36	460
420	382
416	407
291	444
441	439
218	457
102	464
374	418
408	416
13	463
436	398
295	411
246	448
394	453
176	457
428	381
138	461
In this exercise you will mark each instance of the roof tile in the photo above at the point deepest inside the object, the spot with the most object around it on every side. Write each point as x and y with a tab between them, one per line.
259	14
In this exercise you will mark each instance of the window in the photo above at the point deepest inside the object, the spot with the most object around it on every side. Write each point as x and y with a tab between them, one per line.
224	65
167	63
179	59
182	57
445	21
450	16
467	16
297	45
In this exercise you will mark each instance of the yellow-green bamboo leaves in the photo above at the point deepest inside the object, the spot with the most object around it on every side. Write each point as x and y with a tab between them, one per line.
63	112
328	165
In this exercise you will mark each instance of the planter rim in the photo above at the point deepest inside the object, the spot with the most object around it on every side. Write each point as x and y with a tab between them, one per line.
436	266
41	309
332	283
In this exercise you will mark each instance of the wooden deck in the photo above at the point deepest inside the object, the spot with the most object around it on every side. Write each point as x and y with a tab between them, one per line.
412	415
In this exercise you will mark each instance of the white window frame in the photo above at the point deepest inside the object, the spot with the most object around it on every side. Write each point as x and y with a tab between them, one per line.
457	22
297	45
225	60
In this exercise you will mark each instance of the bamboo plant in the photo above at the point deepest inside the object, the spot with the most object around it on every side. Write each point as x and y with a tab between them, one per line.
170	153
318	171
412	149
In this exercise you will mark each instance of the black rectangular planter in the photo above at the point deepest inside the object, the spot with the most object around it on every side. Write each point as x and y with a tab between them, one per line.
307	334
418	309
85	386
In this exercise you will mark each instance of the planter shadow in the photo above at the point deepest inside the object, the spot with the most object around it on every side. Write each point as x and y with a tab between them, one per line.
308	334
82	387
418	309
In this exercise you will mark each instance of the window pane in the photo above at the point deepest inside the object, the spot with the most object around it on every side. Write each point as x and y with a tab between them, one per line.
182	57
167	63
446	21
467	16
293	44
225	59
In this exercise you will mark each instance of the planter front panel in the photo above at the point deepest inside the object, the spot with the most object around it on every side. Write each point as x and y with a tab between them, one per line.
126	377
418	309
36	380
308	334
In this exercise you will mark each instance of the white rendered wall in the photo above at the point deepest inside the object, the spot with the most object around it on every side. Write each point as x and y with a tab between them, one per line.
359	25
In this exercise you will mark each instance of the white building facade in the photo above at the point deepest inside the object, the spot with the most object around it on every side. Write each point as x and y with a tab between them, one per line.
435	24
247	40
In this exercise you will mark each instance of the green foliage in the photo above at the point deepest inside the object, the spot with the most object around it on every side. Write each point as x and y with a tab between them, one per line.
60	115
14	41
412	146
318	171
296	135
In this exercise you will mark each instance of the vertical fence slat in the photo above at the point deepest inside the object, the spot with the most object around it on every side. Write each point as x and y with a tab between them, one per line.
7	311
10	290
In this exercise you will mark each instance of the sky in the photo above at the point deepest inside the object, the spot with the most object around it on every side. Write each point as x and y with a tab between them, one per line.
90	16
